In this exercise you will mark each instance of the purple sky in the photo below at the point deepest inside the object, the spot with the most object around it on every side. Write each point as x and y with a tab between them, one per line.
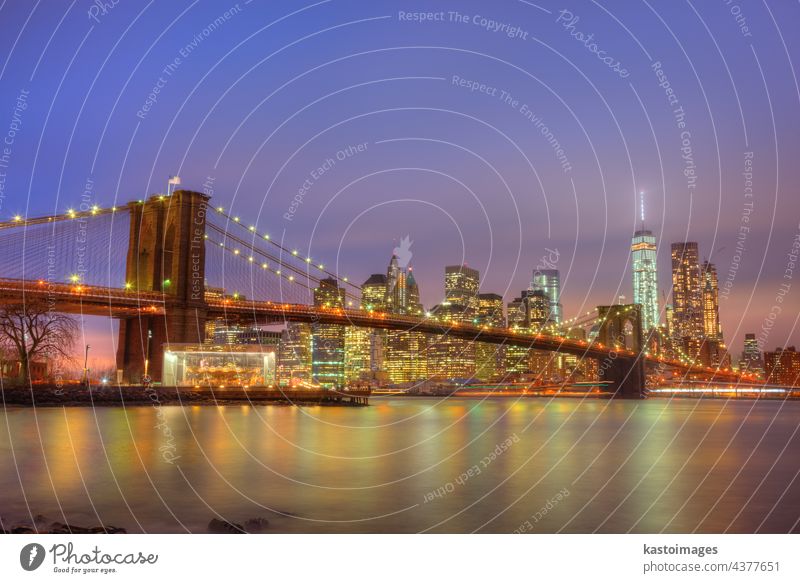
260	96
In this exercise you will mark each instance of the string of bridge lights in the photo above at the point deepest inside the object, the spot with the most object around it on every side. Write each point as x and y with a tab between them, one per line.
18	220
267	268
293	252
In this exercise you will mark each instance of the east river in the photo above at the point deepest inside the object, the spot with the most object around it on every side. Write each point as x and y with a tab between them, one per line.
410	465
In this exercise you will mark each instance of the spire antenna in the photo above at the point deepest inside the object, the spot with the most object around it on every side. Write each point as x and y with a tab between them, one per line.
641	206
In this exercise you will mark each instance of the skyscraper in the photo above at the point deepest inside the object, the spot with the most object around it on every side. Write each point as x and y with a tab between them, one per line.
404	354
544	364
687	297
373	292
373	297
461	285
711	325
328	340
489	358
450	357
751	355
539	308
413	304
396	289
645	277
783	366
549	281
357	353
294	357
518	312
490	310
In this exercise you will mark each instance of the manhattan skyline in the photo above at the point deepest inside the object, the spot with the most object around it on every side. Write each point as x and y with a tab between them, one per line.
80	133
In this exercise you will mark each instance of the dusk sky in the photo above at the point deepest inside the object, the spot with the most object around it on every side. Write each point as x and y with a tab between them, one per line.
491	137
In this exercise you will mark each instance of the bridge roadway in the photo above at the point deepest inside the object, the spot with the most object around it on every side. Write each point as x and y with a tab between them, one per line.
274	311
77	298
121	303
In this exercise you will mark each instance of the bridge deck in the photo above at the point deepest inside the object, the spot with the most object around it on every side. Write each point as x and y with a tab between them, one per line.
121	303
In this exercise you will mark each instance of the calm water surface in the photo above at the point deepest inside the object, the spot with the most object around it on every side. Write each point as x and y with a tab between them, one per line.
409	465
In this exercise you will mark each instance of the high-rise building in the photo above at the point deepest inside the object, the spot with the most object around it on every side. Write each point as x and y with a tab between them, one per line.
540	308
461	285
517	358
782	367
751	356
687	298
645	277
518	312
450	357
490	310
328	340
396	287
489	358
373	293
404	354
294	357
546	365
405	357
413	306
549	281
711	326
669	320
357	353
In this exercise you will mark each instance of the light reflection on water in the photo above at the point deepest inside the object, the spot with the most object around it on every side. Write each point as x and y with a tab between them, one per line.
645	466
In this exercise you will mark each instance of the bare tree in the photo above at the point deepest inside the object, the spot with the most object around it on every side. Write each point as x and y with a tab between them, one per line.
32	330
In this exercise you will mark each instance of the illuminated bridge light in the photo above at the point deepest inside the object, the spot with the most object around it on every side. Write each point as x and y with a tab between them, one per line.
308	259
235	219
265	265
220	209
266	237
251	258
251	228
17	218
235	251
320	266
294	252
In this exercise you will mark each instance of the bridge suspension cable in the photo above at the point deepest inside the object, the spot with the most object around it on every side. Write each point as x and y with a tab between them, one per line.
269	262
285	252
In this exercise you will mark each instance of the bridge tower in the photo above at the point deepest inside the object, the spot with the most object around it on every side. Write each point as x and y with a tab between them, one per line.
166	253
621	329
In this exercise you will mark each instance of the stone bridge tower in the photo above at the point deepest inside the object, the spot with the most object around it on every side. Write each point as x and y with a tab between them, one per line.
166	253
621	329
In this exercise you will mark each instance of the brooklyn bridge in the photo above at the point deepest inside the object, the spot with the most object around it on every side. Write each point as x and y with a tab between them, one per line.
149	264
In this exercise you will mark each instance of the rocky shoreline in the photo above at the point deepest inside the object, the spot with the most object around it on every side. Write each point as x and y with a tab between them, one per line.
114	396
76	396
40	525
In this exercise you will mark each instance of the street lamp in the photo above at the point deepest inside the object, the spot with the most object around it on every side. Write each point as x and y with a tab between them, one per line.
147	353
86	366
